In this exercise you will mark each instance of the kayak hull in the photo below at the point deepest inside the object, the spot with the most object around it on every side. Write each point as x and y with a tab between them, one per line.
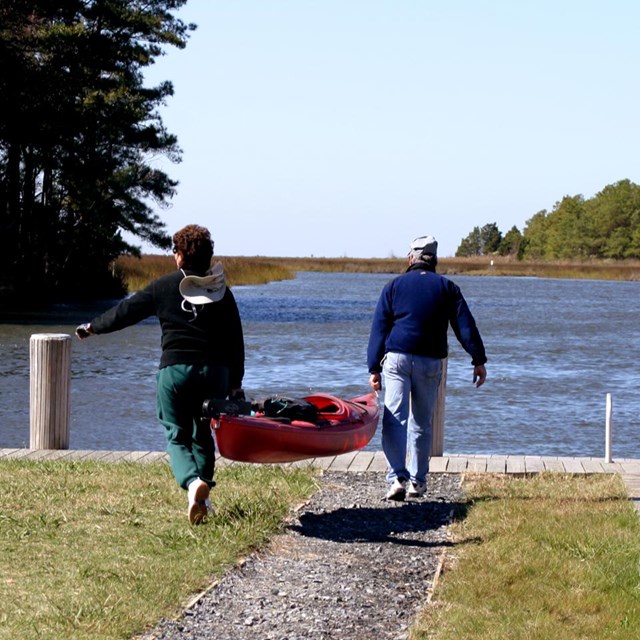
343	426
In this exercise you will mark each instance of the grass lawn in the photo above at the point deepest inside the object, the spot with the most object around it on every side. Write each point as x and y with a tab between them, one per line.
101	551
90	550
549	557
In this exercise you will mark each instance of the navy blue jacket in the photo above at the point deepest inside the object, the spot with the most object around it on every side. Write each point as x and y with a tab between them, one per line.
413	315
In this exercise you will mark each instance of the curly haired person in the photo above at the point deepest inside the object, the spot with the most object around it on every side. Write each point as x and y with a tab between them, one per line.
202	355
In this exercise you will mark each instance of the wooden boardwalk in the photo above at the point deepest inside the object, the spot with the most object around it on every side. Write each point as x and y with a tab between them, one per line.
368	461
374	461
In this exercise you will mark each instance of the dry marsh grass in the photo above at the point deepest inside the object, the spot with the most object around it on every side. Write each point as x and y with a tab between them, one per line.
588	269
550	556
485	265
93	550
138	272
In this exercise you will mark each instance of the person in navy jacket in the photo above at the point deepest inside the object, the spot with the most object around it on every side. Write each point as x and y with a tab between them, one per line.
407	344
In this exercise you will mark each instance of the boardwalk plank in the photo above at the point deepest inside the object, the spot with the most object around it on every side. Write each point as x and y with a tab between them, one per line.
438	464
515	464
134	456
630	466
5	453
342	462
497	464
18	454
379	463
324	463
593	465
553	464
477	464
573	465
114	456
362	461
48	454
612	467
533	464
457	464
80	454
633	485
154	456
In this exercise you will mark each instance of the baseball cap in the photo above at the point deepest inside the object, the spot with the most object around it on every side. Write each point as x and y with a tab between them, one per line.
424	244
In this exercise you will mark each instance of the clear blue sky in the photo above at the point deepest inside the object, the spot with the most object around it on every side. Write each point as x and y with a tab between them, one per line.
348	127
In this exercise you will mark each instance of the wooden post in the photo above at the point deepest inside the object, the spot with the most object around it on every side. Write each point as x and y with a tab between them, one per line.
608	425
50	390
437	436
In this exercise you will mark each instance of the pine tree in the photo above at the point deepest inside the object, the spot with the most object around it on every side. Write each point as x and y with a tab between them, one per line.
471	245
77	130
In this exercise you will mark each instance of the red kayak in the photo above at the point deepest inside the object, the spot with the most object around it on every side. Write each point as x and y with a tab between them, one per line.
341	426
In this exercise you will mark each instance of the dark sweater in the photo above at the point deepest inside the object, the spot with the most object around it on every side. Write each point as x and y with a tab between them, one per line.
413	314
213	335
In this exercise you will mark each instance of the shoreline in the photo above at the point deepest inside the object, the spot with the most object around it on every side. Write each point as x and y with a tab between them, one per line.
480	265
363	461
244	270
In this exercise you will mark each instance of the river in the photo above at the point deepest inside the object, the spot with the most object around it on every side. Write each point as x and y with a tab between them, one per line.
555	349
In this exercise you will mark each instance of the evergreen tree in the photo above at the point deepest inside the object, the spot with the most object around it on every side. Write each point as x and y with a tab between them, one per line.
615	215
481	241
605	226
77	130
511	244
471	245
568	236
490	238
535	236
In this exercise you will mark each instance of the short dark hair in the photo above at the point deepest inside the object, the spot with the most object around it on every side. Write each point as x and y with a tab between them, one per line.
196	246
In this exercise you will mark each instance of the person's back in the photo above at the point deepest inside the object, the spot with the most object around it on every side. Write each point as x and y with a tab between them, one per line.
202	355
191	333
417	303
408	342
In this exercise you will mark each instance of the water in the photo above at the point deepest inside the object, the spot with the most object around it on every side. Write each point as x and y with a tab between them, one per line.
555	348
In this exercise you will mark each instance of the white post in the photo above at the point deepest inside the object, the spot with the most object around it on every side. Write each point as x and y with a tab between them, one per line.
50	390
437	436
608	425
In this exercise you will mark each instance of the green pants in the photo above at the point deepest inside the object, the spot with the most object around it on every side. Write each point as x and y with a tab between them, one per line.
181	390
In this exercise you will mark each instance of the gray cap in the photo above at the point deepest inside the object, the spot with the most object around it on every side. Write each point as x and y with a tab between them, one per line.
424	244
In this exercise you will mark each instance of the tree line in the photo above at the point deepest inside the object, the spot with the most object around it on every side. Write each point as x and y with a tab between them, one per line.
78	134
606	226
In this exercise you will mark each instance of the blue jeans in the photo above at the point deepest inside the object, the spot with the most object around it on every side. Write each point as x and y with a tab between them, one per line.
411	390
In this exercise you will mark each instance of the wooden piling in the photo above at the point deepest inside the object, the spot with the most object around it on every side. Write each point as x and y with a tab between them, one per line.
50	390
437	436
608	428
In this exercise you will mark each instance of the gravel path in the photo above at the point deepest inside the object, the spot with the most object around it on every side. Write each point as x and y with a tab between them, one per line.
349	565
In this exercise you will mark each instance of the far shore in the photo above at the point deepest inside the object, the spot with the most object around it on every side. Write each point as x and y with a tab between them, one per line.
481	266
242	270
